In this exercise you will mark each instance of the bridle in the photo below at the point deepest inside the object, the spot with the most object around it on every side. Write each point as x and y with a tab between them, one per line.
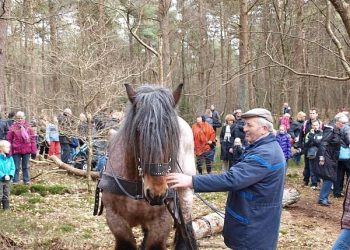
153	169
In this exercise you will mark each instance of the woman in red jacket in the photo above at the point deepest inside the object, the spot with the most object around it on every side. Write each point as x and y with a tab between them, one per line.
204	138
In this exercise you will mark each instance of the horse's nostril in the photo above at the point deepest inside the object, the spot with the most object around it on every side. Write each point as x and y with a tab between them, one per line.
155	199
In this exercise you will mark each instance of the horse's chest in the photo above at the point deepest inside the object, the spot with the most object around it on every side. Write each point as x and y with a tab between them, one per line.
133	211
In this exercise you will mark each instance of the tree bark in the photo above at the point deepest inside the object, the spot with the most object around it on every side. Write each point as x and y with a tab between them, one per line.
342	7
163	15
54	47
243	86
72	170
300	55
4	14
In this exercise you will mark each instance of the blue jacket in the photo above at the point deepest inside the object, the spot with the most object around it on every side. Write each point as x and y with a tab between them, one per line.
52	133
7	166
254	203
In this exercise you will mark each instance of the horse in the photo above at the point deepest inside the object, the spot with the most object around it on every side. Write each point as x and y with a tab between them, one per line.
151	142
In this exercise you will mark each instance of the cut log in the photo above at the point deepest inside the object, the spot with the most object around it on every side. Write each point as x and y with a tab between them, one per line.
73	170
213	223
208	225
290	196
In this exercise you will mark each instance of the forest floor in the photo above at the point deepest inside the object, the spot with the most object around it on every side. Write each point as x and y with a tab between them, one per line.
58	215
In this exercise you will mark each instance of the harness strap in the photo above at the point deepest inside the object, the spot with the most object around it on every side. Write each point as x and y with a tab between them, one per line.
98	206
118	185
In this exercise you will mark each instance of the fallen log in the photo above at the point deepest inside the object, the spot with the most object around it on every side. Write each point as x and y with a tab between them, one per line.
73	170
208	225
213	223
290	196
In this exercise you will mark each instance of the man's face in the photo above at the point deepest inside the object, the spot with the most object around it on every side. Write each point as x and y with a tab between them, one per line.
199	119
313	114
253	130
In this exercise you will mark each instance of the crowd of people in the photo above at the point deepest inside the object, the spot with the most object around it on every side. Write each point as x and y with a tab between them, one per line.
254	159
324	145
61	135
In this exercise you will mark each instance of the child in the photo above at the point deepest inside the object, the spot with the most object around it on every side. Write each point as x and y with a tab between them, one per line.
7	171
236	150
285	121
283	139
52	137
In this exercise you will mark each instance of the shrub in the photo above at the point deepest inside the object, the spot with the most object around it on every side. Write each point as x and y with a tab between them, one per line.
39	188
19	189
57	189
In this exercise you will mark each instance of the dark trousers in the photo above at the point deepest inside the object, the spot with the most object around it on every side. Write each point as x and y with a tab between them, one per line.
306	172
65	152
5	194
21	161
44	149
343	167
208	159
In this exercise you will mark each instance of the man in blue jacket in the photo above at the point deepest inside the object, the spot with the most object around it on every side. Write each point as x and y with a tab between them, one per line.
255	186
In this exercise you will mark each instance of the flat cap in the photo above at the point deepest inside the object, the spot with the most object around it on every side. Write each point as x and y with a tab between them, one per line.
258	112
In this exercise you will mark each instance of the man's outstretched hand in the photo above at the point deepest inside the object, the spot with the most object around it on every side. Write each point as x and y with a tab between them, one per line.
176	180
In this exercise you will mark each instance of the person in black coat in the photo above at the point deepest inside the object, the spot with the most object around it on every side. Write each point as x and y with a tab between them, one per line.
239	126
313	115
328	154
343	164
226	141
294	132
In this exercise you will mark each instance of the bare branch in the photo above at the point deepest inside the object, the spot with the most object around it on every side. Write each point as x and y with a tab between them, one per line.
133	33
335	40
306	74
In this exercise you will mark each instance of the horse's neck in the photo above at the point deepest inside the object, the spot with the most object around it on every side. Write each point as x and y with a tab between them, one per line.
119	163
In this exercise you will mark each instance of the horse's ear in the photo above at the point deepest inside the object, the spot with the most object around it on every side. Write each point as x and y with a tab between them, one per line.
177	93
131	92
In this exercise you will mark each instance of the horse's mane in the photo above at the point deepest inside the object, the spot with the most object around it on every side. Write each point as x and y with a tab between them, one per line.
150	130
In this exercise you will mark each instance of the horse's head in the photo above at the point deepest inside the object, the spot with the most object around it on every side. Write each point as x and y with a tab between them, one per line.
152	136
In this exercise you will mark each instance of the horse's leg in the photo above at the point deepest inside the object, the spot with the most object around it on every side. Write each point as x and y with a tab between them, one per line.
156	232
121	230
184	235
117	223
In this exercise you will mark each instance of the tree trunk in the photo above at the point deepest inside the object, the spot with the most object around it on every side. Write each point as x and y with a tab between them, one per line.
4	13
299	56
72	170
243	54
163	15
54	47
343	9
